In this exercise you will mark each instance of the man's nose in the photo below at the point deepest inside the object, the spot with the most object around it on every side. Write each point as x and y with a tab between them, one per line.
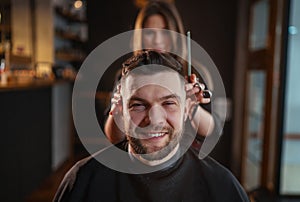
157	115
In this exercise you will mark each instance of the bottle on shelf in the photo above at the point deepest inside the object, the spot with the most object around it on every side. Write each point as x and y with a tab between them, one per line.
3	75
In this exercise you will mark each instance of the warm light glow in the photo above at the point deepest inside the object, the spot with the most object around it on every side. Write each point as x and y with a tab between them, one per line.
78	4
142	3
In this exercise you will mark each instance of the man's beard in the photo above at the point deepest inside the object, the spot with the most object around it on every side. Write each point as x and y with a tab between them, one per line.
159	152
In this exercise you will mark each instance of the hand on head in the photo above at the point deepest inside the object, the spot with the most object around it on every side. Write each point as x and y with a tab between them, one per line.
116	102
195	90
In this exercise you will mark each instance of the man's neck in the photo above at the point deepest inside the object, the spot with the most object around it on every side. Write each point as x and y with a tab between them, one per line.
152	162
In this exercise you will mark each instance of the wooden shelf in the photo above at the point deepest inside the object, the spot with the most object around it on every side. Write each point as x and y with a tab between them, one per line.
18	59
30	85
70	44
69	36
5	28
70	57
68	15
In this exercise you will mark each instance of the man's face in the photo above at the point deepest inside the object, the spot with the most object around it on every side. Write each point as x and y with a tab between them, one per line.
153	109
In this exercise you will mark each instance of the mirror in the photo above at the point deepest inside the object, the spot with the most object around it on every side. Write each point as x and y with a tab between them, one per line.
259	25
256	87
290	164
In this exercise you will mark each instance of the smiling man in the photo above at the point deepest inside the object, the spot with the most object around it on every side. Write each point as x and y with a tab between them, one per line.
157	161
153	111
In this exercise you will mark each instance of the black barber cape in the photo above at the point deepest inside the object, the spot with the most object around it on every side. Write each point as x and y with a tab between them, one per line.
188	179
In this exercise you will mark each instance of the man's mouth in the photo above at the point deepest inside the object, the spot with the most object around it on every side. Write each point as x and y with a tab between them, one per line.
152	135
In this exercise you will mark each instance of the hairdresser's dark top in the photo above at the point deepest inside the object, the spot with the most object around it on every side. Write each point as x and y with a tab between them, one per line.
188	179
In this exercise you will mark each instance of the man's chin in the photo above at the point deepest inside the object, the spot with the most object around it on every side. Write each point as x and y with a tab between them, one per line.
155	149
159	157
155	156
158	153
150	151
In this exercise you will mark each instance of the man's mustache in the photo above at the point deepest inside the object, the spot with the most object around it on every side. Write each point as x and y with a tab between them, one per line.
153	129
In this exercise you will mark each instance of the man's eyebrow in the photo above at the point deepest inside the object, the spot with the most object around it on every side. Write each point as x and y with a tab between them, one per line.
170	96
136	98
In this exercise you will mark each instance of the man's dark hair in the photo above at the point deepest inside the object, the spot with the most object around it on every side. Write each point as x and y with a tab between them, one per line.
150	57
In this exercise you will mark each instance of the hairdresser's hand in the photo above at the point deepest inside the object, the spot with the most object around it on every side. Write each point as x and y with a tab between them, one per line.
116	102
195	90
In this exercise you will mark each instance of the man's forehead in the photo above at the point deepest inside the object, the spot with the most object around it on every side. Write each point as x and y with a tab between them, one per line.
153	93
166	79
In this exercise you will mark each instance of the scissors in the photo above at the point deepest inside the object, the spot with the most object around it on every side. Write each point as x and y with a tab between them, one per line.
205	93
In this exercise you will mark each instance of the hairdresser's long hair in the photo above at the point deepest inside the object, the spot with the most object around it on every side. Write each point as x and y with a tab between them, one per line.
173	22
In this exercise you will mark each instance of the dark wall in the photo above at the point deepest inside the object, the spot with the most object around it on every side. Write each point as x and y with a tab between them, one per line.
25	149
212	24
108	18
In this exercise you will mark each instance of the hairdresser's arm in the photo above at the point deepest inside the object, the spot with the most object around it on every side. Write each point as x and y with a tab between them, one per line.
112	131
198	115
203	119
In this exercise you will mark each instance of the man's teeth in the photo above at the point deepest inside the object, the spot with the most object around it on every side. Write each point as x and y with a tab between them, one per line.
156	134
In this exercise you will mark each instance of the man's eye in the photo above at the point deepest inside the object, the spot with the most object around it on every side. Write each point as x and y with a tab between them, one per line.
170	103
137	107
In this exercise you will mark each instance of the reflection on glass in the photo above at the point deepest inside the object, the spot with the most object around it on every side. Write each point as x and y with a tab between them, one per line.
290	166
259	25
255	127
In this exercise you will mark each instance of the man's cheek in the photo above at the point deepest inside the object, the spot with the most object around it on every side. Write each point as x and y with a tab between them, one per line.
174	119
136	119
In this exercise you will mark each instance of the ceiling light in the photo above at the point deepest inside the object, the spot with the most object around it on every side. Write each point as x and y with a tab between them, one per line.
78	4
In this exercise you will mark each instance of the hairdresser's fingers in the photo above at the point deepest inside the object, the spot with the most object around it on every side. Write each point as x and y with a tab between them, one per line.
115	109
204	100
195	88
193	78
116	105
